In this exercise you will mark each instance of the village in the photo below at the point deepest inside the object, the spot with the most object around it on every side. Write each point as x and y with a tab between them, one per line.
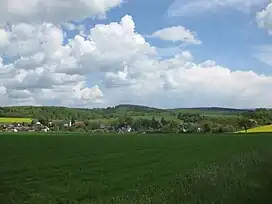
37	126
23	127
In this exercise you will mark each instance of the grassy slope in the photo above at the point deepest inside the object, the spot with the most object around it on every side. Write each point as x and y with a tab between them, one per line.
261	129
15	120
135	169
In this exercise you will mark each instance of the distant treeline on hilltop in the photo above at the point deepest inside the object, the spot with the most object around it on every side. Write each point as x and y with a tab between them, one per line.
55	112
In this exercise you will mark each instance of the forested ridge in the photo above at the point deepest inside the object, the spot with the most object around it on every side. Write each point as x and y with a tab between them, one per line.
55	112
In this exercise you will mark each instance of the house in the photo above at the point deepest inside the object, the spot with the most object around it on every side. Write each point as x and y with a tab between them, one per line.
45	129
184	130
67	123
128	128
105	128
79	124
125	129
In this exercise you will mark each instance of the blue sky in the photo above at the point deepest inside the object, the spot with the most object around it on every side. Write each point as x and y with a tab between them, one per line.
229	37
177	51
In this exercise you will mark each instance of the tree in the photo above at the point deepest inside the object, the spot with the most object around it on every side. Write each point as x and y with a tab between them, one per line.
245	123
174	126
125	120
128	120
136	124
166	129
163	121
207	128
43	120
180	116
93	125
146	123
154	123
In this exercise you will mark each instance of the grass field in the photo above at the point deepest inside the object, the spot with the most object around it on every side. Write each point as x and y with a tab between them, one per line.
80	169
15	120
261	129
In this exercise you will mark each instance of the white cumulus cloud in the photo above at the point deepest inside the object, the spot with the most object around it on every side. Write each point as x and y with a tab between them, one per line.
264	18
194	7
54	11
177	33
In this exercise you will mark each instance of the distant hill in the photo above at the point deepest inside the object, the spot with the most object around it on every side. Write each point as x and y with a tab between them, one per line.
54	112
212	110
138	107
219	109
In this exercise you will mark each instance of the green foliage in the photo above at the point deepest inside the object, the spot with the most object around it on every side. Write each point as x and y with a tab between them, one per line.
246	123
207	128
262	116
190	117
163	121
63	113
137	124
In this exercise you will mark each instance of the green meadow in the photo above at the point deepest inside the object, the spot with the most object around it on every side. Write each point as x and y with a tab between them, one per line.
80	169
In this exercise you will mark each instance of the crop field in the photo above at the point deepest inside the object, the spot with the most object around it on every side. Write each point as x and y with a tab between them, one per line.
261	129
81	169
15	120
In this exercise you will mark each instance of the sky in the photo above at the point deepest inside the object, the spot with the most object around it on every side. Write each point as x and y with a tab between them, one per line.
165	54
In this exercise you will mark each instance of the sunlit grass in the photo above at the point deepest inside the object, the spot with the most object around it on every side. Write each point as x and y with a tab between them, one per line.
261	129
15	120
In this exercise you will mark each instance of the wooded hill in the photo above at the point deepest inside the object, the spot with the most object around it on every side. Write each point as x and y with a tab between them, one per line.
61	113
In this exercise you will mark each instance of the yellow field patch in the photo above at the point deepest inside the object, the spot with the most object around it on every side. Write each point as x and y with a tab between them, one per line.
15	120
266	128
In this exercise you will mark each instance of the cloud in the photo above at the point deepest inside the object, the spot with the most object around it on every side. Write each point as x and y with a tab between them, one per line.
177	33
264	18
113	64
264	21
54	11
32	77
193	7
